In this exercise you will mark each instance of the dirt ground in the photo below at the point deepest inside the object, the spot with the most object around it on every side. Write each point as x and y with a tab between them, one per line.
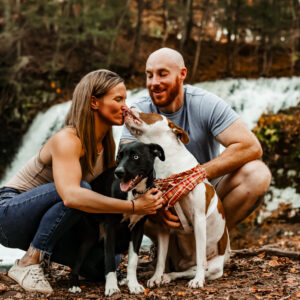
254	273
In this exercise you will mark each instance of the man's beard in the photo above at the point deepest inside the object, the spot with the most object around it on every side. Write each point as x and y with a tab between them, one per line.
170	97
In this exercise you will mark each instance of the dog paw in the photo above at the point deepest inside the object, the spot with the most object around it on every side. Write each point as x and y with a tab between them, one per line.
135	288
74	289
109	291
111	284
196	283
167	278
155	280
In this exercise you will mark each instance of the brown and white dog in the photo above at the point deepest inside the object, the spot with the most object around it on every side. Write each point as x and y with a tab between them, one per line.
207	244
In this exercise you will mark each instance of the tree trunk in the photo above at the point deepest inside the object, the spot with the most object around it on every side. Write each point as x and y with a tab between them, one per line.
18	4
116	34
137	36
294	35
190	23
7	14
166	20
197	55
198	48
186	16
228	54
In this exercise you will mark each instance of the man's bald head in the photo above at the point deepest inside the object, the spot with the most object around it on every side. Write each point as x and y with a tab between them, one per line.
165	73
168	55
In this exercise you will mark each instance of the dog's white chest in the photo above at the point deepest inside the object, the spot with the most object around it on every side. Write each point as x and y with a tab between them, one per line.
133	219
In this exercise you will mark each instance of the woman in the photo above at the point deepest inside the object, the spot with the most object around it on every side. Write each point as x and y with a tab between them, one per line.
47	198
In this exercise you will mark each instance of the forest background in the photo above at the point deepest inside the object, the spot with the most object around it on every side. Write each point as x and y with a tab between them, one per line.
46	46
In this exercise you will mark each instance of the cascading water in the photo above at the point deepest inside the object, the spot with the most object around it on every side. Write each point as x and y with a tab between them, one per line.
249	97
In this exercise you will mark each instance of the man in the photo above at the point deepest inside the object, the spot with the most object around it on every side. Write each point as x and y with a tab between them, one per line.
239	178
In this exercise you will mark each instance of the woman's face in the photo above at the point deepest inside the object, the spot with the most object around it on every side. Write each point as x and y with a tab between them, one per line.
110	107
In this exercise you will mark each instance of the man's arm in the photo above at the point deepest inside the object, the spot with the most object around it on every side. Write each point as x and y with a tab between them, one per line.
241	147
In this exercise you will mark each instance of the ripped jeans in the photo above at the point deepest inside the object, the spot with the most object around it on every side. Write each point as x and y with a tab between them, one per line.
39	218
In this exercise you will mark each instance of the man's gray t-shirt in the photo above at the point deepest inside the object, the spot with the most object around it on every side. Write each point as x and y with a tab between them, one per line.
203	116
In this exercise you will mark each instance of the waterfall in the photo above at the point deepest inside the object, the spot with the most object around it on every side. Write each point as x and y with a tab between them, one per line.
248	97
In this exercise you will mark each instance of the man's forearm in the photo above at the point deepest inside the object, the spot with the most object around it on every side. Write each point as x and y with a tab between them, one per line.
231	159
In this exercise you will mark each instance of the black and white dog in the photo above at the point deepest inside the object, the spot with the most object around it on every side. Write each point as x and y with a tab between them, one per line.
132	176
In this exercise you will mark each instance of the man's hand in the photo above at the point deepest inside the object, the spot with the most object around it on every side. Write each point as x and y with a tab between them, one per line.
169	218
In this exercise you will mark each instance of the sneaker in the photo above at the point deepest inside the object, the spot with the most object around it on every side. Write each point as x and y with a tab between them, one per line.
30	278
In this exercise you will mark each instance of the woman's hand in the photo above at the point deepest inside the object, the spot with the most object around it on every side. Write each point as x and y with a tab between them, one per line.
148	203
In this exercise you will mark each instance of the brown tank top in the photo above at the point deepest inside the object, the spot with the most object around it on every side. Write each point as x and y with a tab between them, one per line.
36	173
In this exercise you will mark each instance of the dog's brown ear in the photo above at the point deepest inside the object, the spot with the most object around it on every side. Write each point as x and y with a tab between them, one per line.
180	132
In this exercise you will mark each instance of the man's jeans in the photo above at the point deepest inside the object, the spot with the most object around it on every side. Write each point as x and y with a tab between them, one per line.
39	218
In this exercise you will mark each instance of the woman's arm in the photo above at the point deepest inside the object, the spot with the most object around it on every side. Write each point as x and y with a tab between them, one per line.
65	149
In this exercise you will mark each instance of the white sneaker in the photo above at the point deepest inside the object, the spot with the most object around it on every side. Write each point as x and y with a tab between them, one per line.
30	278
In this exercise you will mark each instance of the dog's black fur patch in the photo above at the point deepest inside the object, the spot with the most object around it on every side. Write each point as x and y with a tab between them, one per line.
134	159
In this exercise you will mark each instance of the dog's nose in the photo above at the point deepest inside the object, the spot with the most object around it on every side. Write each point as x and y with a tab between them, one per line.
119	172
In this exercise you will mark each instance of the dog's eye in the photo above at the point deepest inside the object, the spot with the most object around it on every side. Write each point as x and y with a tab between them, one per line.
136	156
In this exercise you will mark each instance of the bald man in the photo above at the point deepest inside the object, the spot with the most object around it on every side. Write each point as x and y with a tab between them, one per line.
239	178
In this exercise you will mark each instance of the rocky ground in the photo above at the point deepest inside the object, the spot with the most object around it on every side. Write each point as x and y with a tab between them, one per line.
268	267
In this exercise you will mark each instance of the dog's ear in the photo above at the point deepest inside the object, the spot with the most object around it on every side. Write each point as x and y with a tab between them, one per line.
158	151
180	132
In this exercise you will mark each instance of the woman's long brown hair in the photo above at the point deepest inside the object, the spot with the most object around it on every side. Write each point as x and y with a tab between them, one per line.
81	117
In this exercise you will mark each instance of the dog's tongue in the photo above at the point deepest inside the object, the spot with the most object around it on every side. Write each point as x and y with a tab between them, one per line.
126	186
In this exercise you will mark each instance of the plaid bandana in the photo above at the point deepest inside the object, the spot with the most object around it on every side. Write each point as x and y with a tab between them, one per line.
176	186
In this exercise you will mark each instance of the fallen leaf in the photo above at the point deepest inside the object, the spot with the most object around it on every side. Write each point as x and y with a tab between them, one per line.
298	294
261	255
210	289
273	263
146	291
281	260
181	293
266	274
293	270
83	287
3	288
92	296
289	280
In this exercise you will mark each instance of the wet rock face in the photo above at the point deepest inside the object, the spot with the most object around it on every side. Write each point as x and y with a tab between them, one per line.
279	135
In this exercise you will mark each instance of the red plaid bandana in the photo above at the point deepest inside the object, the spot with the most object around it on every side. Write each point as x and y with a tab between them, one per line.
176	186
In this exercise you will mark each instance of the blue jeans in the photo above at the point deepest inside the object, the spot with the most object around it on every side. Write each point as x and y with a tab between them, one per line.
39	218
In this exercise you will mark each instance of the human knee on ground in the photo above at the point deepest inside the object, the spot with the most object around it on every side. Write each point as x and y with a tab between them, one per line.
242	191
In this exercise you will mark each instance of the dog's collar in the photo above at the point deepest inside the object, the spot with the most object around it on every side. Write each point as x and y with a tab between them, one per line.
136	192
176	186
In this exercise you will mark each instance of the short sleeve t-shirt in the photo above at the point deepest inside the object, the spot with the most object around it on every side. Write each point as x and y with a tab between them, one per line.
203	116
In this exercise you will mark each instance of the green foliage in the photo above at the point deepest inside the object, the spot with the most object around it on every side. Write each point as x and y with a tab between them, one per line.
279	135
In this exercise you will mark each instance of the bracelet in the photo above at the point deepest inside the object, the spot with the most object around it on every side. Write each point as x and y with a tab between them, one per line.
132	206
